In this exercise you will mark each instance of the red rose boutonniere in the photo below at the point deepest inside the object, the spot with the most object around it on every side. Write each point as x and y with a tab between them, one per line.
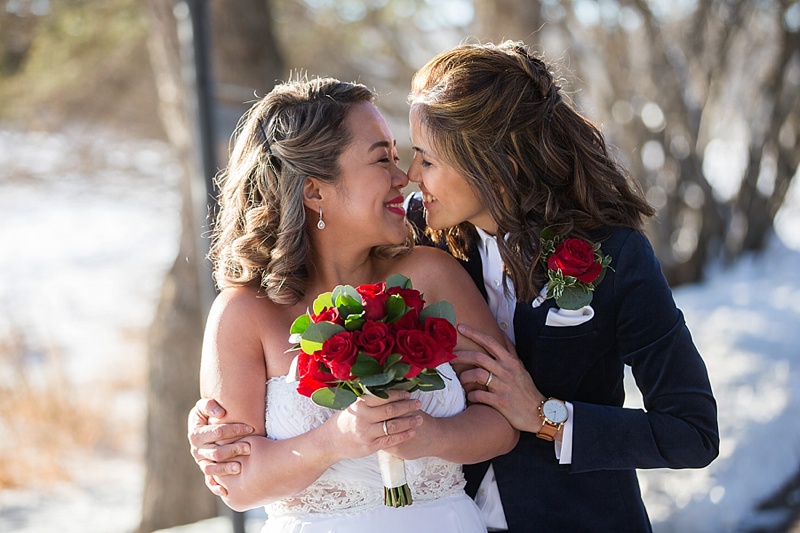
574	268
370	339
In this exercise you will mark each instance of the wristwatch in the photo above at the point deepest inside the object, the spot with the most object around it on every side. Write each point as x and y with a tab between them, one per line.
553	413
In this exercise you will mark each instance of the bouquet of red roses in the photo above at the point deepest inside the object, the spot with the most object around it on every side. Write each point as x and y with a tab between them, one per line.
574	268
370	339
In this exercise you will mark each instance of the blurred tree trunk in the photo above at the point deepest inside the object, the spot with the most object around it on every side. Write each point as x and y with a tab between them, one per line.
498	20
249	61
775	148
665	87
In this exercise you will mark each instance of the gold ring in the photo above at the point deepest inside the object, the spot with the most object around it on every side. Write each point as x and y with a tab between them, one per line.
385	429
489	380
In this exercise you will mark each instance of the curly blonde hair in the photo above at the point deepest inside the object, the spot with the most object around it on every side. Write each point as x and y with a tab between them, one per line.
296	131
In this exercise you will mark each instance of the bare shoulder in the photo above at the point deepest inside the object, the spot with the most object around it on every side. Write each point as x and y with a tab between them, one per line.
242	304
433	271
428	259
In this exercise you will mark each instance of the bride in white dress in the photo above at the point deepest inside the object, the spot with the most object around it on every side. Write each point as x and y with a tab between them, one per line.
312	198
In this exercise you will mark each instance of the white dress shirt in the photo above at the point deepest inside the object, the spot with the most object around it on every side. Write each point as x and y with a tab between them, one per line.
503	301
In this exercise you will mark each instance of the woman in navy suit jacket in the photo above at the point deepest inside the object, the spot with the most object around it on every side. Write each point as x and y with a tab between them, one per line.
498	157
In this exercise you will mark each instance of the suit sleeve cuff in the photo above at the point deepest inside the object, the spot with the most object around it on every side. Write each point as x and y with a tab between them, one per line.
564	447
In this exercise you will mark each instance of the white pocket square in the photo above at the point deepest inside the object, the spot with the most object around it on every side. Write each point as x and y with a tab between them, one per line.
569	317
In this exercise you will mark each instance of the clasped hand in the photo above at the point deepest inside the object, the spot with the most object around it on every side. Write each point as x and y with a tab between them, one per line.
357	431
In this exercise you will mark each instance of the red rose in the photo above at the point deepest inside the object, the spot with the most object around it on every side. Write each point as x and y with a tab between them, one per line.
375	340
374	299
442	331
328	315
575	257
411	297
311	375
408	321
339	354
421	351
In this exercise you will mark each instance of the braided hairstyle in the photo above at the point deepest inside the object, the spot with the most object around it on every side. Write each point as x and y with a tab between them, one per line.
496	114
295	131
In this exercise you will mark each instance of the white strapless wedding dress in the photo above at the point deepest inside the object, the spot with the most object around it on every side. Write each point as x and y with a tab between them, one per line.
348	497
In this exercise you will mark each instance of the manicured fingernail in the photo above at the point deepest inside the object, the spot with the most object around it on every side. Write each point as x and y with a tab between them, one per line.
462	328
247	429
234	468
245	449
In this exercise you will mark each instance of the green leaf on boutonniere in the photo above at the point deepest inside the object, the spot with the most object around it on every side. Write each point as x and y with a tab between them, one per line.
574	298
317	333
599	278
548	234
334	398
439	310
398	280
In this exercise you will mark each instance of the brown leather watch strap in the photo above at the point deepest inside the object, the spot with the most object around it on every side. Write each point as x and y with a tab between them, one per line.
548	431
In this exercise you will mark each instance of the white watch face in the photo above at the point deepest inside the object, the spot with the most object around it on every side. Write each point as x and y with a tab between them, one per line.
555	411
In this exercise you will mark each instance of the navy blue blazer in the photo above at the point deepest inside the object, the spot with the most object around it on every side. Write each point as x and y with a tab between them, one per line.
636	323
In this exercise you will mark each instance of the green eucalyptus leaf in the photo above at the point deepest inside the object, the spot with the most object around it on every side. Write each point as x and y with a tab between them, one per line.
398	280
395	308
392	359
346	295
300	324
316	333
409	386
351	305
574	298
441	309
376	380
336	398
322	302
366	366
430	381
397	370
379	393
354	322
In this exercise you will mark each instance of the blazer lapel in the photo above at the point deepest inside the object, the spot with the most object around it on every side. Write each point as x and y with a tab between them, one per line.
474	266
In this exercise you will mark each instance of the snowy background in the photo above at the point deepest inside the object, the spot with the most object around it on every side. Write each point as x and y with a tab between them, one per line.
89	229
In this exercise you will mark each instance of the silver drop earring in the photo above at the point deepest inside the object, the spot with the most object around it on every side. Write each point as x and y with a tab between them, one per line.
321	223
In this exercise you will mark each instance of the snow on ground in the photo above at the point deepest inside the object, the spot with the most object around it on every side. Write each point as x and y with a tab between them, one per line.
89	229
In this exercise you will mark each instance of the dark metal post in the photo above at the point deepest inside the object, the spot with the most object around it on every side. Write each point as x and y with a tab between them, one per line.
193	35
191	17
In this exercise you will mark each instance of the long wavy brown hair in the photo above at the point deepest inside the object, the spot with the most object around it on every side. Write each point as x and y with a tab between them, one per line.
496	114
296	131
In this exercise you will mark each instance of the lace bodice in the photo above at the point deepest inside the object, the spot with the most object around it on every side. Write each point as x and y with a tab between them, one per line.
355	485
